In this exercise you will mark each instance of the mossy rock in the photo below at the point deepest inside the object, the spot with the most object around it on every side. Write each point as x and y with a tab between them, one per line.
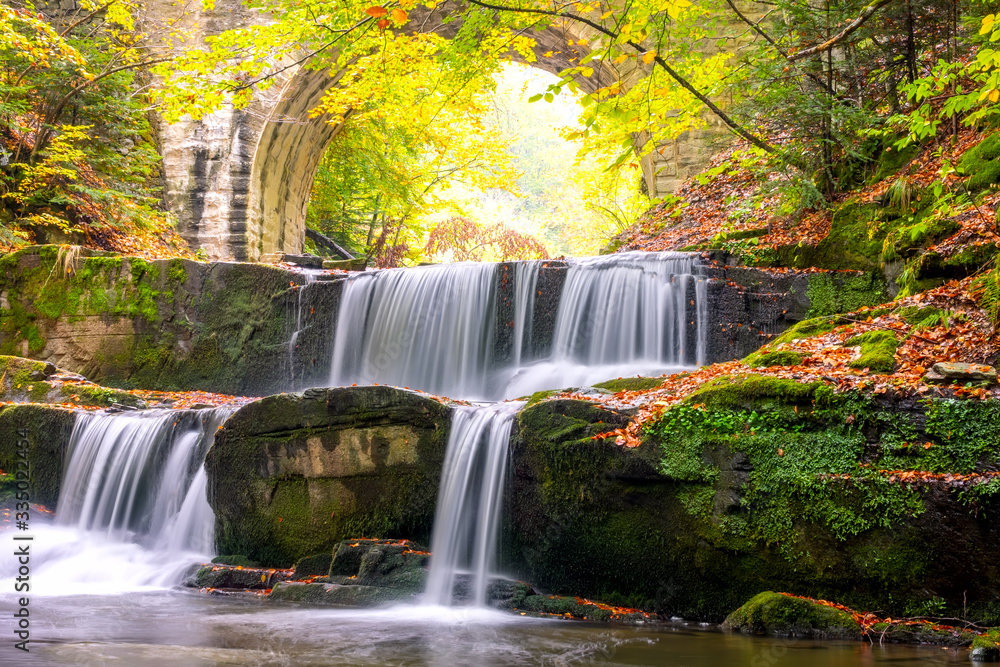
768	358
292	475
778	615
906	241
236	577
830	295
986	647
318	565
234	560
891	160
630	384
981	164
163	324
45	430
848	246
878	349
750	390
339	595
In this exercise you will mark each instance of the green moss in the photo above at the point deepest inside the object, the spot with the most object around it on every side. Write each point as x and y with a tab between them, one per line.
765	358
47	430
540	396
780	615
829	296
986	647
981	163
630	384
891	161
815	326
878	349
176	271
235	560
748	390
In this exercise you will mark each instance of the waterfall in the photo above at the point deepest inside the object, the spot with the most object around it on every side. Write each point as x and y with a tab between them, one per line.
629	307
132	510
525	284
310	278
429	328
469	501
436	328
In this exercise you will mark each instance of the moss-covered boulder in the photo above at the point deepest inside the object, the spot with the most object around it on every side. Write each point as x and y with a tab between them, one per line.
34	438
758	484
164	324
236	577
294	474
779	615
986	647
876	351
630	384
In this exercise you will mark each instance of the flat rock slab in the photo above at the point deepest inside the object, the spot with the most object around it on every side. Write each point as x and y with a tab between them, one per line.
339	595
949	372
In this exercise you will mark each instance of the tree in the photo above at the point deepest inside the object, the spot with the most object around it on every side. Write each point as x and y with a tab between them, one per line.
76	146
462	240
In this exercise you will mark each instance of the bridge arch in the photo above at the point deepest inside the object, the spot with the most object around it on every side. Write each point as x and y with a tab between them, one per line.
239	181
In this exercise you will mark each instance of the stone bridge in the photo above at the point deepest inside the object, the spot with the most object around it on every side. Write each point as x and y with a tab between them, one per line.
239	180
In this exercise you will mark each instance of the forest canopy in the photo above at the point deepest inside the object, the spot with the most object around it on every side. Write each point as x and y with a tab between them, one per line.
815	92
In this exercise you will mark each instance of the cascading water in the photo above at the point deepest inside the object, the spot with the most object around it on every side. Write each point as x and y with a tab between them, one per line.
132	510
429	328
469	502
310	279
628	308
435	328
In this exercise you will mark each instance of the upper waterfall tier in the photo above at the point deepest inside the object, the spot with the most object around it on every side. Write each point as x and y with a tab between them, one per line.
478	331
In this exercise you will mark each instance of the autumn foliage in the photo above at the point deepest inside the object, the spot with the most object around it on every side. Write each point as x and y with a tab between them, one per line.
462	240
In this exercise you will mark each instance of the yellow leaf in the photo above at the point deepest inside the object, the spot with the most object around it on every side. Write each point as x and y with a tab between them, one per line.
648	57
400	16
620	59
606	15
581	42
376	12
994	95
588	71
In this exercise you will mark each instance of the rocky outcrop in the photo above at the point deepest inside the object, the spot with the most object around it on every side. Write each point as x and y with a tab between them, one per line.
292	475
33	440
718	505
166	324
779	615
751	306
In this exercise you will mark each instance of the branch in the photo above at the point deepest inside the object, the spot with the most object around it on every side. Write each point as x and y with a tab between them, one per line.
784	54
843	34
53	116
638	48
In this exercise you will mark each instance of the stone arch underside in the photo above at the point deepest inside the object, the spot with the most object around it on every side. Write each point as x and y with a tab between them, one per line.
240	180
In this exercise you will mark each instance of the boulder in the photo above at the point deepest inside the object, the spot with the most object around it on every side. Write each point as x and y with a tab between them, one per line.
986	647
780	615
42	433
240	578
959	373
166	324
698	519
292	475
